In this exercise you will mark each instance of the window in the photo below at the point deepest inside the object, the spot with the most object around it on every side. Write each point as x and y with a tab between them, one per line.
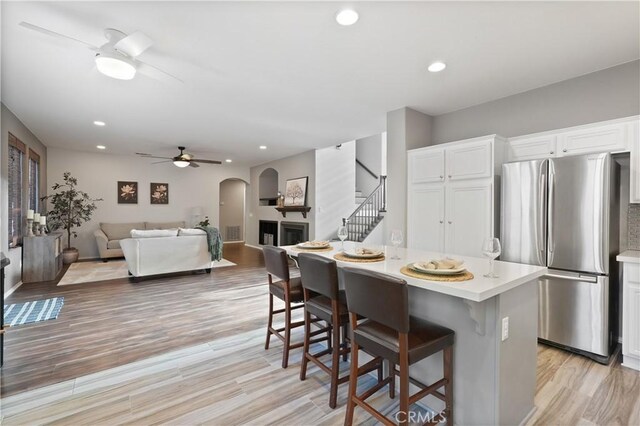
16	158
34	181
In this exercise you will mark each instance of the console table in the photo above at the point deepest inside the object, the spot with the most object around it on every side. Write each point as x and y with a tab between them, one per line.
41	257
4	262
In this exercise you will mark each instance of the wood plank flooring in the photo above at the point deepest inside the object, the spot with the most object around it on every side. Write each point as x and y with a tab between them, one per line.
189	349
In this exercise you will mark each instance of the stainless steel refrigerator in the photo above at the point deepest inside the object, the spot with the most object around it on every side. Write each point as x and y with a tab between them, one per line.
563	213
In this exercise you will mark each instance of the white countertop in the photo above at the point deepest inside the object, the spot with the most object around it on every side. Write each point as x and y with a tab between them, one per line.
480	288
632	256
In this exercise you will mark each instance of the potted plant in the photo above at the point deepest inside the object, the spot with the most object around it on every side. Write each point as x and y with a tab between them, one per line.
70	208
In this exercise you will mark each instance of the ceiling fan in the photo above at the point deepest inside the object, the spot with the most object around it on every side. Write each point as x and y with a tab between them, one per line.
181	160
117	57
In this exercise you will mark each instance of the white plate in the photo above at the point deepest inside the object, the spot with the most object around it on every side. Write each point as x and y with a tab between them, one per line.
420	269
308	245
352	253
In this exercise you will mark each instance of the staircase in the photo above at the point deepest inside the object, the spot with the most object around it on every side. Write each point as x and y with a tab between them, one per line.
369	212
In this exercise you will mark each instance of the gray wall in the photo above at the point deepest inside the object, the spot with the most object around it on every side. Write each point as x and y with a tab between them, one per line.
406	129
369	153
11	124
603	95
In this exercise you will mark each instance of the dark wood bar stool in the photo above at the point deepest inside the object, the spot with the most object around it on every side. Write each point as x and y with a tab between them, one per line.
389	331
286	289
324	301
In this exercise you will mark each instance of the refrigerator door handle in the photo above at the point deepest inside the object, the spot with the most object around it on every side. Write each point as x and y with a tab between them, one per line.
551	240
541	217
580	277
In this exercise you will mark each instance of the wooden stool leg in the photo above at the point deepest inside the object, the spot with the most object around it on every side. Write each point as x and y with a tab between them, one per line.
392	382
344	342
404	381
353	378
335	364
269	322
287	334
305	350
448	388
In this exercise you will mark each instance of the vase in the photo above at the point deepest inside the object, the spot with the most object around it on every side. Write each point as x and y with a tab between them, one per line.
70	255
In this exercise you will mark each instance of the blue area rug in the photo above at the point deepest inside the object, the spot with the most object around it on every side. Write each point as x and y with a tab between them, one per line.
29	312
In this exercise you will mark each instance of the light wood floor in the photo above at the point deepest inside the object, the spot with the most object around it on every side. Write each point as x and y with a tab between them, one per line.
196	356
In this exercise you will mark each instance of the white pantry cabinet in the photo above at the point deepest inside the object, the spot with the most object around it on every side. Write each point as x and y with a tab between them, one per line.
631	312
634	132
453	214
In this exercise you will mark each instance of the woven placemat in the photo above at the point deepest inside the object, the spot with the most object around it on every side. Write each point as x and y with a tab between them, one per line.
343	258
466	276
321	250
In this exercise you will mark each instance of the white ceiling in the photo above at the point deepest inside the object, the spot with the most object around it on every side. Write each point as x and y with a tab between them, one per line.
285	74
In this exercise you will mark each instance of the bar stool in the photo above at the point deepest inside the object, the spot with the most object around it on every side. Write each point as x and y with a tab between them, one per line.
286	289
389	331
324	301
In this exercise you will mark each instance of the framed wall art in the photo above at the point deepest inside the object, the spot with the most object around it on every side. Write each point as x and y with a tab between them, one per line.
159	193
127	192
295	193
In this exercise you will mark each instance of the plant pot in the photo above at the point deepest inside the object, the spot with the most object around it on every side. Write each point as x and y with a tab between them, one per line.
70	255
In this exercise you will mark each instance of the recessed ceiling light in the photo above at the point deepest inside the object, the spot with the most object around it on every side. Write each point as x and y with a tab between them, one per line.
101	147
347	17
263	147
437	66
228	160
99	123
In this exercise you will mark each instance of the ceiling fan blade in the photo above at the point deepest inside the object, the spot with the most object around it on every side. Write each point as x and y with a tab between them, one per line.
153	156
192	164
160	162
55	34
134	44
156	73
207	161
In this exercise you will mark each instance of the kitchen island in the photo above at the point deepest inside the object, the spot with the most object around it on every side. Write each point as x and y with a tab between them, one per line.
494	376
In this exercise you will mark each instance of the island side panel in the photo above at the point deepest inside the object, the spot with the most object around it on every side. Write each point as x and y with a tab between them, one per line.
475	356
517	354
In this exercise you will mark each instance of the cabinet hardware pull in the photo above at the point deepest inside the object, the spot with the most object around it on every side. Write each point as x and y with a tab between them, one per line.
564	150
449	222
441	177
551	152
442	221
449	176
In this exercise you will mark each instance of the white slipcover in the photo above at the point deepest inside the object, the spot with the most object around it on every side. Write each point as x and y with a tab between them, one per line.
164	255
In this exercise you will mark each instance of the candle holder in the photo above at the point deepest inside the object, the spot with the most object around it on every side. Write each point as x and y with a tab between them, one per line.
43	230
30	228
36	229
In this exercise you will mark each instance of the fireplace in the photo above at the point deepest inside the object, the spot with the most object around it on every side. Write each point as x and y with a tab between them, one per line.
293	233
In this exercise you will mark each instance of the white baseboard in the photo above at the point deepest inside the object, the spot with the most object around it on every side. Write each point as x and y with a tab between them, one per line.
12	289
252	246
233	242
631	362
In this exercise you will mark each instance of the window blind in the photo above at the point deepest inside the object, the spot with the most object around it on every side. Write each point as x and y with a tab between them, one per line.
16	160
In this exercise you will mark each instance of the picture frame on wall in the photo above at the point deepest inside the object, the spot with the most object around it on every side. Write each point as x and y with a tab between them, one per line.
159	193
127	192
295	193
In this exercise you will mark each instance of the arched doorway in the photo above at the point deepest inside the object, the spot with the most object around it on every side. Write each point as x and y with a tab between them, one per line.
232	209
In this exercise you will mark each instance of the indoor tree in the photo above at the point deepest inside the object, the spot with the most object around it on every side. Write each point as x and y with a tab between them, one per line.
69	209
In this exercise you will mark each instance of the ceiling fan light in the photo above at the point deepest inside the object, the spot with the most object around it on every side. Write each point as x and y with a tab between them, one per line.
181	163
115	67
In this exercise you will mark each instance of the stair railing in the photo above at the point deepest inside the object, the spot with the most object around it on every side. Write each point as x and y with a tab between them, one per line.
368	212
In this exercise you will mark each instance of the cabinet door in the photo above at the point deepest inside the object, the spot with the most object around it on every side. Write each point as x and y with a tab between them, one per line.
608	138
531	148
469	217
425	214
634	142
471	160
631	310
426	165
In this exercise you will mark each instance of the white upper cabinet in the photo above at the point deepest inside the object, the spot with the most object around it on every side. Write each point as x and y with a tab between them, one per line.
470	160
610	138
427	166
531	148
634	134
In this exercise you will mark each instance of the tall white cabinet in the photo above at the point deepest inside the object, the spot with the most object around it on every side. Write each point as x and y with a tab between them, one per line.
452	195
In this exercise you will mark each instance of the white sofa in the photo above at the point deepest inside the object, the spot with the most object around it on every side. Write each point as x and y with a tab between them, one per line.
109	235
166	251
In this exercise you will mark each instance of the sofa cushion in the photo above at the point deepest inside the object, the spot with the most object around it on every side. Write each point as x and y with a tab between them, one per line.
191	231
119	231
113	244
153	233
163	225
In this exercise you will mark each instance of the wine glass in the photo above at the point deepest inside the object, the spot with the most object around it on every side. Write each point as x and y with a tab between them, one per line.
396	240
491	248
343	233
